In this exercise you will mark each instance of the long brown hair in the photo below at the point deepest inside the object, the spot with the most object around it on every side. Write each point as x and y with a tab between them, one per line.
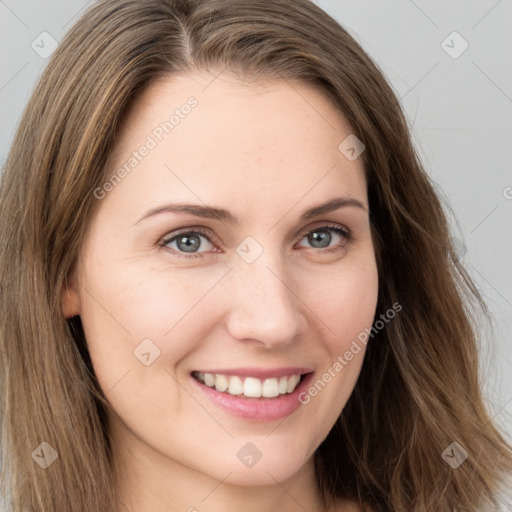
419	389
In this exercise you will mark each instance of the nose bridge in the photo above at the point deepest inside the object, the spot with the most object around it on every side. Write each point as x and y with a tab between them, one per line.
262	305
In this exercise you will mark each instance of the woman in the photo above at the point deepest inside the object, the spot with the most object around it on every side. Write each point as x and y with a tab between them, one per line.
227	282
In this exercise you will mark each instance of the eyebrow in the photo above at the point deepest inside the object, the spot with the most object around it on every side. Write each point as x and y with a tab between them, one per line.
210	212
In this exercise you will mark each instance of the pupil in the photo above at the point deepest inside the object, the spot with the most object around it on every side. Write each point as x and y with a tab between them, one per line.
188	245
320	236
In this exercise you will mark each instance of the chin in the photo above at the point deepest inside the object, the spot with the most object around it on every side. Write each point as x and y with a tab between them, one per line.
277	465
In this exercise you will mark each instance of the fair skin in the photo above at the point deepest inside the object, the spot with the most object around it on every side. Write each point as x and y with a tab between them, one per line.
265	152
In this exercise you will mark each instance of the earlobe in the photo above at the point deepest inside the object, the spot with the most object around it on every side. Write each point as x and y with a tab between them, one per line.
70	297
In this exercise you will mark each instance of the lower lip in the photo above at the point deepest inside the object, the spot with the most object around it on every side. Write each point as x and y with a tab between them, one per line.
257	409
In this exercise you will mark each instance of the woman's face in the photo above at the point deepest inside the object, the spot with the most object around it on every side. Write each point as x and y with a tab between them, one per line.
260	291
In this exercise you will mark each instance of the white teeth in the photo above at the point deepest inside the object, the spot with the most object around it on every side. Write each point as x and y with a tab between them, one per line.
293	380
209	379
236	386
221	383
283	385
250	386
270	388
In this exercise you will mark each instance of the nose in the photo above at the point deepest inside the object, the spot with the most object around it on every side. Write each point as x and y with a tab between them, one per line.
262	306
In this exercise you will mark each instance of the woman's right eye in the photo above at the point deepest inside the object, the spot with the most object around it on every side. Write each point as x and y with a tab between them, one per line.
186	243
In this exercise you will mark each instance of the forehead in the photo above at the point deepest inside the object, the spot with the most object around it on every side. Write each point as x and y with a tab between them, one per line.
212	136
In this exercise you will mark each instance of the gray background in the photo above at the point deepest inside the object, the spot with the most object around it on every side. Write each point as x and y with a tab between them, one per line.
459	109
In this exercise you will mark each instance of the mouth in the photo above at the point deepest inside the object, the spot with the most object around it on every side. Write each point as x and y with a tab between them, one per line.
253	397
250	386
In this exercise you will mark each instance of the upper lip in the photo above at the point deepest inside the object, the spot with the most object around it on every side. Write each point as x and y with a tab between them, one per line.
260	373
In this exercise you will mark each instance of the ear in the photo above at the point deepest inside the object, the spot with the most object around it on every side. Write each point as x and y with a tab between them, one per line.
70	296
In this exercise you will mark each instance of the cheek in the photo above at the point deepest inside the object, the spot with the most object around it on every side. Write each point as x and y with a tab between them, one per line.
345	302
345	312
167	304
127	309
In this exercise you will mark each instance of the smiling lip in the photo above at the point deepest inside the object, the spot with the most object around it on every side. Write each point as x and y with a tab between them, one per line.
260	373
257	409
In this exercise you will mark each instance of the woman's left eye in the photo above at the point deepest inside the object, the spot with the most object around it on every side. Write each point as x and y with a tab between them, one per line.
321	237
187	243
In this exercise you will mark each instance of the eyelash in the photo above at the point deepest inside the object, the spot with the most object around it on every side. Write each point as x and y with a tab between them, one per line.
200	231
